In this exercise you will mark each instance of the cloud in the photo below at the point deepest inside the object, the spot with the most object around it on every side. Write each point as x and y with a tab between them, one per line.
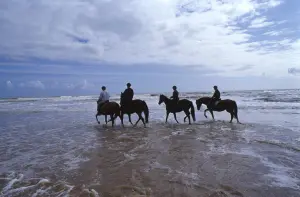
83	85
9	84
260	22
211	34
32	84
294	71
243	68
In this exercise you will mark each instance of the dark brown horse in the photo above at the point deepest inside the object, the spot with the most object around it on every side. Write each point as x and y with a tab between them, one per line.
135	106
182	105
112	109
229	105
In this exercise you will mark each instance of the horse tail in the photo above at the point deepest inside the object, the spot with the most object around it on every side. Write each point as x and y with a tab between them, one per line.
193	112
235	110
146	112
117	114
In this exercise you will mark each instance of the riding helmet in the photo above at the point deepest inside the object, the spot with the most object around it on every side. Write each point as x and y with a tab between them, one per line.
103	88
174	87
128	84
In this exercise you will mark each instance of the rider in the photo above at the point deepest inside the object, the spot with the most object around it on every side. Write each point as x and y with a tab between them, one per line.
128	93
216	96
103	98
175	96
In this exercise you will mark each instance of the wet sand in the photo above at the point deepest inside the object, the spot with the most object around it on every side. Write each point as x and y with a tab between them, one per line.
66	153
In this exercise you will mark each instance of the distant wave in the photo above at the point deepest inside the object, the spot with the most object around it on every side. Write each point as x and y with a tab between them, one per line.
57	98
286	96
280	100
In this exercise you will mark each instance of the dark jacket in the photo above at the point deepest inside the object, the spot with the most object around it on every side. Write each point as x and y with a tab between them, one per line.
175	95
128	94
217	95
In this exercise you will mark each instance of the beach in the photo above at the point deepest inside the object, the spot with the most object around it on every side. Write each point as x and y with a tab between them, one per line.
54	147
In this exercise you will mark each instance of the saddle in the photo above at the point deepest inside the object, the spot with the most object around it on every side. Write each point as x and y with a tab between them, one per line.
100	105
216	103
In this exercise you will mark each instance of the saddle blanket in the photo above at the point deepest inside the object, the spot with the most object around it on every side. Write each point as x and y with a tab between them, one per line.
216	103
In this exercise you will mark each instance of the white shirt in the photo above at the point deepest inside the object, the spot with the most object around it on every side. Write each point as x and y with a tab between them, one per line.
104	96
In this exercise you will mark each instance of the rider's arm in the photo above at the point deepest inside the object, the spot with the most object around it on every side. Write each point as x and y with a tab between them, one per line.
173	95
214	95
101	96
131	93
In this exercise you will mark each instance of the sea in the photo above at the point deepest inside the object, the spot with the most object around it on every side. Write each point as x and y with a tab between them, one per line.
55	147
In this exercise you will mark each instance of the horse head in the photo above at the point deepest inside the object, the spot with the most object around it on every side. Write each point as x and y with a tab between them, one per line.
161	99
121	97
198	103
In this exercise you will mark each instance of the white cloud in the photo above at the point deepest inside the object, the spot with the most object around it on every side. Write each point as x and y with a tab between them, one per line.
260	22
9	84
294	71
33	84
83	85
178	32
280	32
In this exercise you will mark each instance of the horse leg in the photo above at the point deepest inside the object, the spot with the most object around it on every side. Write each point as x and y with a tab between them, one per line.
231	113
129	117
141	118
184	118
238	120
122	117
167	116
187	113
106	119
236	116
97	118
138	119
212	114
175	117
112	120
205	113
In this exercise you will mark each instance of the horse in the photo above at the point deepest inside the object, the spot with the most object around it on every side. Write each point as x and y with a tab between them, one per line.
110	108
229	105
182	105
135	106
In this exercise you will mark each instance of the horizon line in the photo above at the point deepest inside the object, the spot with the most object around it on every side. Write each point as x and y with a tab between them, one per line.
141	93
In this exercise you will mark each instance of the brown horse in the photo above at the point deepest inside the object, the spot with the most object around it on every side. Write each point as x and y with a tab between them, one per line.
229	105
135	106
182	105
112	109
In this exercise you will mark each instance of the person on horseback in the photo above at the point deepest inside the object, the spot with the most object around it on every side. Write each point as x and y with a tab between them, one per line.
103	98
175	96
128	94
216	96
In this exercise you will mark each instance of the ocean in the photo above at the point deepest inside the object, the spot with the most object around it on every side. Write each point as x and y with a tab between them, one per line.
54	147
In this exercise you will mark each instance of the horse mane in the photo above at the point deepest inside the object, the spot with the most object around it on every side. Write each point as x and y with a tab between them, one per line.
164	96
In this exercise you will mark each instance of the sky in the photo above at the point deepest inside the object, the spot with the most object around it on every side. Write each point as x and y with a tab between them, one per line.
56	47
